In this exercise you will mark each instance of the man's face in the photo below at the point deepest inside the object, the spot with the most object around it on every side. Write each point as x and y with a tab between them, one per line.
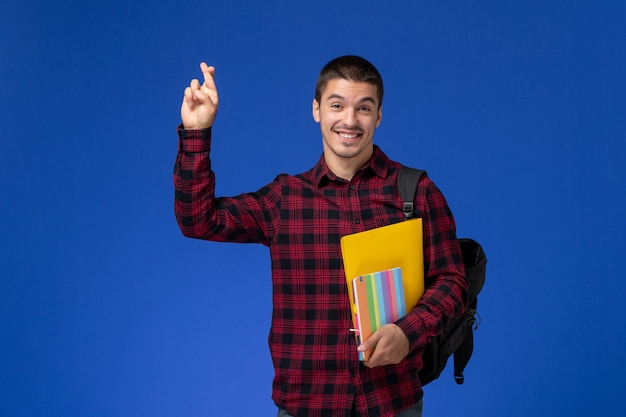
348	114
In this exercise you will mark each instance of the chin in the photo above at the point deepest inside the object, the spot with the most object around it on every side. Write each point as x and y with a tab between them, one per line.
348	153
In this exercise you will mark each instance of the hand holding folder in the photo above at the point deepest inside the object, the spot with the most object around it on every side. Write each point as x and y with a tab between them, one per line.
385	275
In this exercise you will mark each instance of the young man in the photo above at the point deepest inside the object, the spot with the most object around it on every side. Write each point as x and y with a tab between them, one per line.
301	219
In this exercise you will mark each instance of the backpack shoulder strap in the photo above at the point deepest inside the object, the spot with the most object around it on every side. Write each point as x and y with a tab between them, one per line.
464	352
407	184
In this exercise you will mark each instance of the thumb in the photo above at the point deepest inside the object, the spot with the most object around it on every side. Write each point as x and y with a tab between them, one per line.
370	343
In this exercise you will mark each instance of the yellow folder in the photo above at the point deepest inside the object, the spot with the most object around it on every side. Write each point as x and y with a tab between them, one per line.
396	245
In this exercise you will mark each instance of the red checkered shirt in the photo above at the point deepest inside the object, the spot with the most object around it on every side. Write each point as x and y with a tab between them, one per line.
301	219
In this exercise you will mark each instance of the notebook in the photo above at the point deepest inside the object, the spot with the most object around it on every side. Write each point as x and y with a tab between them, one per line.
399	245
378	299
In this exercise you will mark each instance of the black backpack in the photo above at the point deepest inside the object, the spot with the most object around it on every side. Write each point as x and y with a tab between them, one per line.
458	336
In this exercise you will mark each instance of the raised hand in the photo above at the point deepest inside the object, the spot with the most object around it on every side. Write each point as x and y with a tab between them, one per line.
200	101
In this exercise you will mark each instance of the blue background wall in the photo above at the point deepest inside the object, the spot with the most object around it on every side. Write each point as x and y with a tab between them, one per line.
516	109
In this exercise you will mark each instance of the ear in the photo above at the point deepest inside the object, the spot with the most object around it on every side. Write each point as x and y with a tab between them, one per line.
380	116
316	111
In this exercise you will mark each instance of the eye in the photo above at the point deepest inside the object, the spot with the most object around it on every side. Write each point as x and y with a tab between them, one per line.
365	109
335	106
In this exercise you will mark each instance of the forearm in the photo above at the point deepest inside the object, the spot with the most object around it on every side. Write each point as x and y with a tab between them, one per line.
445	295
194	183
443	300
246	218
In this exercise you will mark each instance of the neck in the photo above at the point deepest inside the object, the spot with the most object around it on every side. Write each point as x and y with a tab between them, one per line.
346	167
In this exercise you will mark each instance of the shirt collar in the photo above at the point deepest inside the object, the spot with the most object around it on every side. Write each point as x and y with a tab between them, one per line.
378	164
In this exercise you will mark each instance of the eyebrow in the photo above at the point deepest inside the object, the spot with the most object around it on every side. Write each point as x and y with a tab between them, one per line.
364	99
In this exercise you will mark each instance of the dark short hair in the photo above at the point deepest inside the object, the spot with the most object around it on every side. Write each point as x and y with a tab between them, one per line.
352	68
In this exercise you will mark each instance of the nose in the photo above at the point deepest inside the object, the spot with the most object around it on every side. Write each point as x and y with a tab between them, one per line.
350	117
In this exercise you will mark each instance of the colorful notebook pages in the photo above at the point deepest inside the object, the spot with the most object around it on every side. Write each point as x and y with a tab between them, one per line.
378	300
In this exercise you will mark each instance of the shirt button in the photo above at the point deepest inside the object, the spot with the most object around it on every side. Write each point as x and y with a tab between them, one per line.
357	221
352	187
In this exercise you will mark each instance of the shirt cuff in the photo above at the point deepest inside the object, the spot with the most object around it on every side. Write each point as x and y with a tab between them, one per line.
414	329
193	141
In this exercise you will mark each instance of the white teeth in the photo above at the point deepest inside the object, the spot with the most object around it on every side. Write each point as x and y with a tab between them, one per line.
347	136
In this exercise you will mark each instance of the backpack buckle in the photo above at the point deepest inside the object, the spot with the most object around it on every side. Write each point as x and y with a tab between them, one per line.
407	209
459	377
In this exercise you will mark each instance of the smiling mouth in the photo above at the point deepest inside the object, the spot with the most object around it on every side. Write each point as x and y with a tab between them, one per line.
348	136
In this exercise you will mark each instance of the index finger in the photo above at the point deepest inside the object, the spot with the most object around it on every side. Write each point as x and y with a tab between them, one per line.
209	75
